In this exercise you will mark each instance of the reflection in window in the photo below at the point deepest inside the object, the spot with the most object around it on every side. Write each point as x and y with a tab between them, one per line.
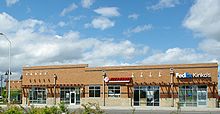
114	91
146	95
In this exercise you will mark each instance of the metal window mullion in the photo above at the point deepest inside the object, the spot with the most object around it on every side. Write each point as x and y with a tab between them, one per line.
139	95
153	96
94	91
185	95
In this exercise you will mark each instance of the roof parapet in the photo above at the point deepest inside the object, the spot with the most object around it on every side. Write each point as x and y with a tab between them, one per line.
55	67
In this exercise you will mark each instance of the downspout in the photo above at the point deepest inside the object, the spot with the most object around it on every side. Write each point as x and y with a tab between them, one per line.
55	78
103	75
171	86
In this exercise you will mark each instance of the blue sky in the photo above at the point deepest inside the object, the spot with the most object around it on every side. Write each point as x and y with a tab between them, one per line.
109	32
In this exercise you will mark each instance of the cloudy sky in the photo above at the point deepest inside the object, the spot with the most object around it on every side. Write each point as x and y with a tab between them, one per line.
109	32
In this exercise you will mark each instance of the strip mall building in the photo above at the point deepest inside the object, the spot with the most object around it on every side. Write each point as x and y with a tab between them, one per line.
190	85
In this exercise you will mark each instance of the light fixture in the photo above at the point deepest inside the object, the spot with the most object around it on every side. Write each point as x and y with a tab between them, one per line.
141	74
132	75
159	74
150	74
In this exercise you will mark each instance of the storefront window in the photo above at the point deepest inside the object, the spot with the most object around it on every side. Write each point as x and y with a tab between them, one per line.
146	95
192	96
65	94
188	95
37	96
114	91
94	91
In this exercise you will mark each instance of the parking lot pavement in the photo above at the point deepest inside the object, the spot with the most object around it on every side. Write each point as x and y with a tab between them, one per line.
158	112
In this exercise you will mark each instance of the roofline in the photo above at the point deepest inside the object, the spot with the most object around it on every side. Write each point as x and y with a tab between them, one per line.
55	67
132	67
159	66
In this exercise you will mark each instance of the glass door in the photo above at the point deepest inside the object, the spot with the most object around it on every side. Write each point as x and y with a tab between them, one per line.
202	96
188	96
146	96
72	98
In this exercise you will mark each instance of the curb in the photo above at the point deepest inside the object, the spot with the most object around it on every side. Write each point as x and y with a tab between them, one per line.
162	108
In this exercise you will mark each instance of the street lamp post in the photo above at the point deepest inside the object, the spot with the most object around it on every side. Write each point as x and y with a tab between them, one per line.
171	85
1	84
9	65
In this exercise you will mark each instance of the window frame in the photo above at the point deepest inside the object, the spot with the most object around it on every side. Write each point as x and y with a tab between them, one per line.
66	90
114	94
94	89
35	93
146	89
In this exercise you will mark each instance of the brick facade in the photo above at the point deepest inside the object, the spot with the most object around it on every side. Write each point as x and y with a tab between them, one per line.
83	76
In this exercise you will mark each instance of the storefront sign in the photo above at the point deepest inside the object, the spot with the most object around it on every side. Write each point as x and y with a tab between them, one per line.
194	75
121	80
106	79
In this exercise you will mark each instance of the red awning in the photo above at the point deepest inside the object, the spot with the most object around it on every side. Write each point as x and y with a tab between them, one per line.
123	79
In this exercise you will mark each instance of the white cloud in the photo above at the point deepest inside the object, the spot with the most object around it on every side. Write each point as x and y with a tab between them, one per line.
100	23
210	46
164	4
109	48
11	2
32	47
61	24
204	18
87	3
68	9
133	16
138	29
28	10
177	55
9	24
107	11
77	18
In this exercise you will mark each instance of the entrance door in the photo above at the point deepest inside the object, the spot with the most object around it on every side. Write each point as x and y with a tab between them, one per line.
72	98
202	98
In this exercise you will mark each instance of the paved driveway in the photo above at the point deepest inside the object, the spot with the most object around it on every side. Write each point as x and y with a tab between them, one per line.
114	111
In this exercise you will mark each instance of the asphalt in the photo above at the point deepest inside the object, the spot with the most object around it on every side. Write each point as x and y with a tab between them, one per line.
154	110
162	108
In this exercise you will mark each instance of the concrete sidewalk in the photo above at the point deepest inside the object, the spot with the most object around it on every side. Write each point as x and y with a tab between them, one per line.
160	108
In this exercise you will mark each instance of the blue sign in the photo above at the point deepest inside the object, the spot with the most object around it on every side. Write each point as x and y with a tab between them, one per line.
194	75
184	75
187	75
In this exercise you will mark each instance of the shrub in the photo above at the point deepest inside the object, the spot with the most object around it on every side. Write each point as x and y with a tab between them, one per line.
34	110
1	110
50	110
55	110
13	110
92	108
45	110
63	108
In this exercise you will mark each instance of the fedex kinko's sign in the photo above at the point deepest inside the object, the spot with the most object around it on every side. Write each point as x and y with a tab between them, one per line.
194	75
